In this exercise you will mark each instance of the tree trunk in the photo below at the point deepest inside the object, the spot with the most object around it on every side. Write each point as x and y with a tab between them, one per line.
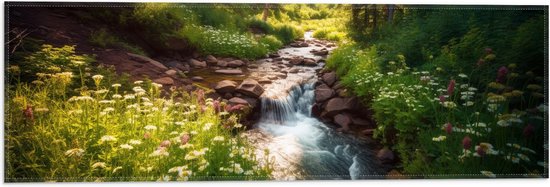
367	18
374	18
390	9
266	11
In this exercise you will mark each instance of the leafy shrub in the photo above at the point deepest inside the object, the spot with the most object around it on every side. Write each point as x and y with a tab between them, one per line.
260	24
287	33
271	42
104	39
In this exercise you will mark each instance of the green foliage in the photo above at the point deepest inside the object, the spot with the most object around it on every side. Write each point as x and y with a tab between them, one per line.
107	133
271	42
223	42
287	33
260	24
104	39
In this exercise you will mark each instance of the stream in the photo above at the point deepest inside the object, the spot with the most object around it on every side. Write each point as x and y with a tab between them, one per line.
300	146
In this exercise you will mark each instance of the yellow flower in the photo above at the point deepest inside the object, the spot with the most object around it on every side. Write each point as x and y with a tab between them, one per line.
534	87
496	85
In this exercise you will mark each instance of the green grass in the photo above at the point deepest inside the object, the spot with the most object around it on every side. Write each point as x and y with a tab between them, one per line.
104	39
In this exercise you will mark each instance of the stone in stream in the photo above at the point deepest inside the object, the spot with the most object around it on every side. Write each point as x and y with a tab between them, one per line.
274	55
211	60
171	72
238	100
385	155
264	80
250	87
253	66
329	78
144	59
197	78
338	105
229	71
343	120
164	81
321	53
226	86
221	63
360	121
294	70
197	64
235	63
323	92
309	62
296	60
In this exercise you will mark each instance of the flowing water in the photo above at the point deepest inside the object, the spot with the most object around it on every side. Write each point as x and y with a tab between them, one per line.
300	146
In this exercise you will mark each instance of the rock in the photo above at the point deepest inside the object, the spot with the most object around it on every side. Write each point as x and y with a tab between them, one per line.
309	62
264	80
368	132
144	59
343	120
304	44
227	95
197	78
251	87
337	85
338	105
316	110
190	87
235	63
238	100
342	92
274	55
320	53
296	61
229	71
293	70
178	65
251	101
197	64
385	155
322	93
253	66
164	81
221	63
280	75
226	86
360	121
329	78
171	72
211	60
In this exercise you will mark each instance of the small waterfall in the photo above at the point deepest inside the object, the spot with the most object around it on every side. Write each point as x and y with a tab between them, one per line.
285	109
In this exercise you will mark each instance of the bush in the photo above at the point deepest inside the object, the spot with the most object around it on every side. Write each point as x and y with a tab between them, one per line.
260	24
287	33
271	42
223	42
104	39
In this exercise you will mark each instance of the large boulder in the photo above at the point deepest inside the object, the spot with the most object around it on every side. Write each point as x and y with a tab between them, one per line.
343	120
323	92
235	63
309	62
251	87
329	78
211	60
144	59
164	81
197	64
338	105
226	86
229	71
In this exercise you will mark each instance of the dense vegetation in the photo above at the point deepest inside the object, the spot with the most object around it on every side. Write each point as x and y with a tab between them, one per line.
454	91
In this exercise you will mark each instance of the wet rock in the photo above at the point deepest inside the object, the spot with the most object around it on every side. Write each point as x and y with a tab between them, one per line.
338	105
309	62
264	80
250	87
197	64
385	155
323	92
278	59
337	85
164	81
211	60
321	53
274	55
221	63
280	75
329	78
190	88
304	44
253	66
197	78
238	100
235	63
367	132
144	59
343	120
227	95
293	70
316	110
251	101
331	45
360	121
296	61
226	86
171	72
229	71
178	65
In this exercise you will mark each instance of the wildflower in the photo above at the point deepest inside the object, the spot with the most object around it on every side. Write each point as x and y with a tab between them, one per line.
165	143
468	103
514	159
97	78
99	165
496	85
76	152
134	142
442	99
117	96
502	72
219	138
534	87
150	127
78	62
106	102
184	139
528	130
117	168
138	82
462	75
126	146
480	62
448	128
467	142
116	85
439	139
488	174
207	126
449	104
29	113
156	85
161	151
451	87
542	108
485	148
107	138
